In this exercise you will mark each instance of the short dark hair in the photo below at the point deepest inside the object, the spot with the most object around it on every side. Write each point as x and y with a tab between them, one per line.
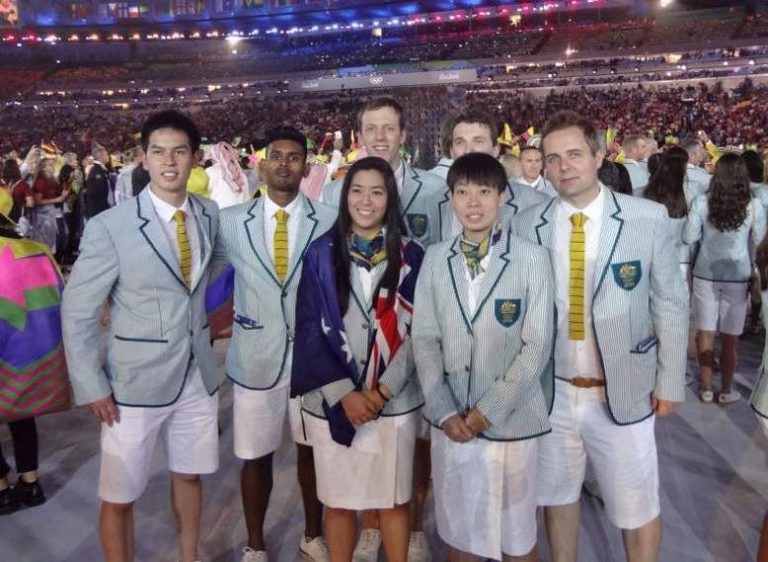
379	103
754	165
481	118
478	168
170	119
531	147
286	133
567	119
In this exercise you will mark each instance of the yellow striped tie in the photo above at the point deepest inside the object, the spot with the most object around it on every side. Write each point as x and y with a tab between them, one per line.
280	244
185	251
576	278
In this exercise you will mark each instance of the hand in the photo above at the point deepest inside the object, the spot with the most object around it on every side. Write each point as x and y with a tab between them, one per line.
374	397
106	410
663	408
476	421
358	408
703	137
457	430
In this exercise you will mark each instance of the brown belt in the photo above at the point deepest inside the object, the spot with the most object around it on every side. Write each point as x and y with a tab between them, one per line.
585	382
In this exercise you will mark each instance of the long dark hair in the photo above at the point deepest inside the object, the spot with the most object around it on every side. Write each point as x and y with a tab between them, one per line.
393	223
667	184
761	261
729	193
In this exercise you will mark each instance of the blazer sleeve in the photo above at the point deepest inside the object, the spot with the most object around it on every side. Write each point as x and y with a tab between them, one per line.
695	220
428	344
669	312
95	273
537	333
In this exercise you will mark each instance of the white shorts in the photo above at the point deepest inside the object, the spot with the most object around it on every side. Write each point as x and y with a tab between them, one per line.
624	457
485	495
375	472
726	302
189	430
259	420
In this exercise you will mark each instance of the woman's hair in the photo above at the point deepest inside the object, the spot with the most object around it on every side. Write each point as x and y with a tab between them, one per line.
729	193
667	185
754	165
393	223
65	174
625	182
11	172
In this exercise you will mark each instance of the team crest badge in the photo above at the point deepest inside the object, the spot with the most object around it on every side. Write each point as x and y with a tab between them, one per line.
417	224
507	311
627	274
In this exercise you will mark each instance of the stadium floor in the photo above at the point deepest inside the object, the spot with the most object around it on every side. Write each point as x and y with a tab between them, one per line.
713	471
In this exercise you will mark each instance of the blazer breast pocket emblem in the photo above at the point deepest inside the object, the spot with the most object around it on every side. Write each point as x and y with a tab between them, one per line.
417	224
627	274
507	311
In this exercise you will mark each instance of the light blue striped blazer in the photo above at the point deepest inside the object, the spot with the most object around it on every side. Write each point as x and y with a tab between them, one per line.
493	359
264	307
639	312
400	375
420	196
156	323
724	256
759	399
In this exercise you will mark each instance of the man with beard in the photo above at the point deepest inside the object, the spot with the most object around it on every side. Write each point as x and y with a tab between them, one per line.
264	240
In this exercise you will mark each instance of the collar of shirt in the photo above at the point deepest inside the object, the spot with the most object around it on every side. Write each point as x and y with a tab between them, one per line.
400	176
165	210
594	210
534	183
271	208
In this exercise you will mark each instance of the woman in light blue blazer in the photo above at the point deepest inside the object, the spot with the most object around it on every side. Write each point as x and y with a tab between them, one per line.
353	362
669	186
729	222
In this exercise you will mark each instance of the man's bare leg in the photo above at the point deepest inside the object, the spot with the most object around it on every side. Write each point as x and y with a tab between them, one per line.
187	503
116	531
642	544
562	523
313	509
256	487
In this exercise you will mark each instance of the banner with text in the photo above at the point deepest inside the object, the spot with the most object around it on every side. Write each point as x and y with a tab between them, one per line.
429	78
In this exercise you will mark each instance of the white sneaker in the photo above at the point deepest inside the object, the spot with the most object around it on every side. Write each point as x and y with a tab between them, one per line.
706	396
418	548
250	555
314	550
728	397
368	545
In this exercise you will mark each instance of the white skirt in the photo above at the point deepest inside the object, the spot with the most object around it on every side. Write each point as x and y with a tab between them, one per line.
485	495
375	472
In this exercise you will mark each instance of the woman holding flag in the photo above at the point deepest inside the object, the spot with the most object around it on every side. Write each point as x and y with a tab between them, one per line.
353	363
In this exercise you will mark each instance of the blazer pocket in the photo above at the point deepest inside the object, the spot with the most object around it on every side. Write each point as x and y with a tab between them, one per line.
247	323
645	345
142	340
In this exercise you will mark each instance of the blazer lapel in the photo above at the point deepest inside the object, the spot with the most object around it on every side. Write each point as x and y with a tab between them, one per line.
491	277
254	227
459	282
610	231
446	215
304	236
511	203
411	187
545	227
204	235
154	234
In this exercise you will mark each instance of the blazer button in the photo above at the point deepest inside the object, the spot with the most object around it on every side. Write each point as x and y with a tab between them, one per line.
466	368
283	294
364	325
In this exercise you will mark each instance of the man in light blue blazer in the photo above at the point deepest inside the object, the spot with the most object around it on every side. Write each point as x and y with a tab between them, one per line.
265	240
635	147
696	155
478	131
620	350
148	258
382	130
531	165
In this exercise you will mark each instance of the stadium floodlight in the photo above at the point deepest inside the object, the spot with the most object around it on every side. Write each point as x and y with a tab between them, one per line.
665	3
233	39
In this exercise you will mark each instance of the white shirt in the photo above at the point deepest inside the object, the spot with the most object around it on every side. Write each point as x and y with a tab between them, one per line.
400	177
537	184
271	208
165	212
575	358
473	285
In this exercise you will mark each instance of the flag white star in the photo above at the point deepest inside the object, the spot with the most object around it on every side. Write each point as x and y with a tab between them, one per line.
345	347
324	326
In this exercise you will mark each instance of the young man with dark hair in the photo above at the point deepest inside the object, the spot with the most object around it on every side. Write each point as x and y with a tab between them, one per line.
482	332
264	240
620	346
148	257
